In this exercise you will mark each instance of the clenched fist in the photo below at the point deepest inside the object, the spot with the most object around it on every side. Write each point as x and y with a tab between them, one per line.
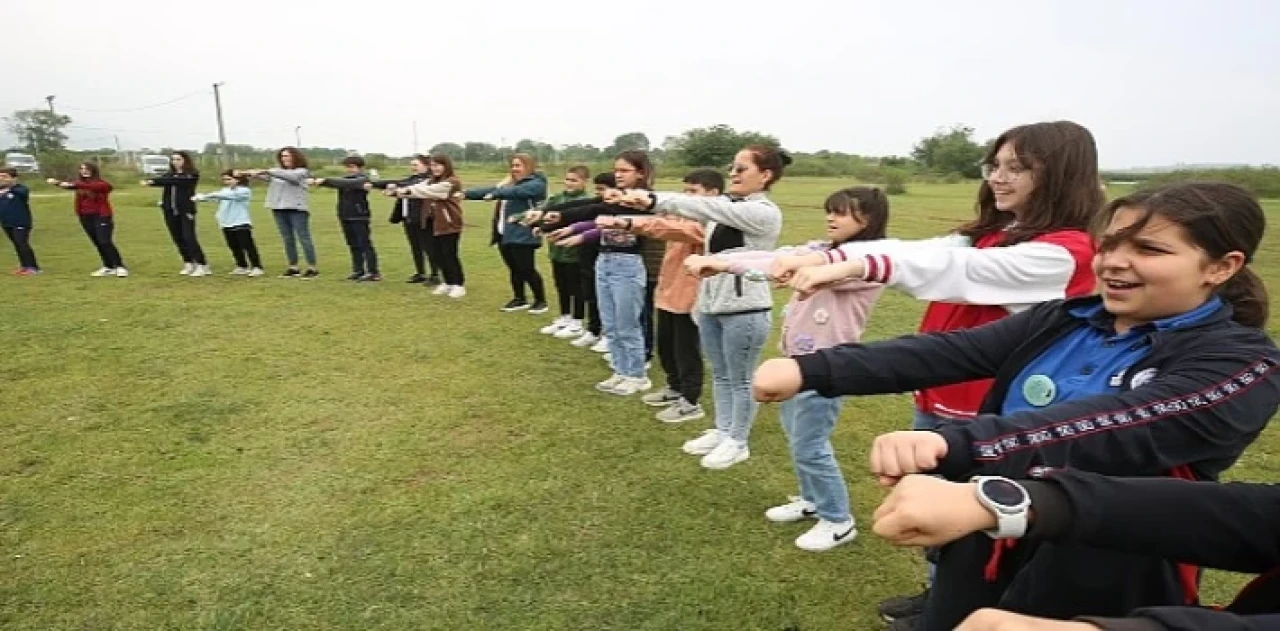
777	379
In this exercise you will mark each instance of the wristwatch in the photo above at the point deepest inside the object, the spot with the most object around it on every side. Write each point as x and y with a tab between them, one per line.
1008	501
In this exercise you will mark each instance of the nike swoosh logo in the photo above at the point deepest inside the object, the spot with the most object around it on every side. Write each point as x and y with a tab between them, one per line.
846	534
808	513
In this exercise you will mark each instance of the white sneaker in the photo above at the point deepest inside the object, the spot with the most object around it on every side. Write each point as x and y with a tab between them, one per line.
608	358
601	345
680	412
457	291
826	535
255	272
728	453
200	270
588	338
187	268
239	271
609	384
704	444
555	326
661	398
122	272
795	510
441	290
105	271
631	385
572	329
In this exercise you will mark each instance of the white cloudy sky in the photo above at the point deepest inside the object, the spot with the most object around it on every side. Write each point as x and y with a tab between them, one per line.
1158	82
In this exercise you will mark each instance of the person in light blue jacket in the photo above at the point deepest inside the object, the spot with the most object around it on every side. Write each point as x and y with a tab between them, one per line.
522	190
237	226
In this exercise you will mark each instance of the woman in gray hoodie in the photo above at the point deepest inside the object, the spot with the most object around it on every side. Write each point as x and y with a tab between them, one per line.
733	316
287	199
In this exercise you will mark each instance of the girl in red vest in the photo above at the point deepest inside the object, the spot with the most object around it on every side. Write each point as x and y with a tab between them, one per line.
1029	244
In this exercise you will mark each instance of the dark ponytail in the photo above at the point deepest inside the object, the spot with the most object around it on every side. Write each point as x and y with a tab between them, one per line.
772	159
1220	218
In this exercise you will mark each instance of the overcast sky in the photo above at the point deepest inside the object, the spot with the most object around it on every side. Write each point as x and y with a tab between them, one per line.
1158	82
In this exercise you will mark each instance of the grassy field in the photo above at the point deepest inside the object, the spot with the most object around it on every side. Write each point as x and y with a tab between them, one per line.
232	453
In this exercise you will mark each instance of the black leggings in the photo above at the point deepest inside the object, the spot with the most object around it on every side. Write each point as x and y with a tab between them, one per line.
680	353
420	244
568	278
646	317
523	270
182	229
587	266
99	231
243	249
21	238
445	249
364	259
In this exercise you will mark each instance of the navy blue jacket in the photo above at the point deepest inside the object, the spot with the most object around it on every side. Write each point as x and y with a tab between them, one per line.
179	188
353	200
15	207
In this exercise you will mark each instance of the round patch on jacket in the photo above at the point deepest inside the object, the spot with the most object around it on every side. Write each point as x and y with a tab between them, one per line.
1142	378
805	343
1039	390
821	316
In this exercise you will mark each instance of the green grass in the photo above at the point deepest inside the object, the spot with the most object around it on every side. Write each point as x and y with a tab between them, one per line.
230	453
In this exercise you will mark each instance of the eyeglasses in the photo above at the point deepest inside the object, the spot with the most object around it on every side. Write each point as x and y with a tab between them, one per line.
737	169
1011	172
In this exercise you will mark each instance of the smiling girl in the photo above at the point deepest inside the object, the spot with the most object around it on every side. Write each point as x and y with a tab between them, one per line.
1169	372
523	188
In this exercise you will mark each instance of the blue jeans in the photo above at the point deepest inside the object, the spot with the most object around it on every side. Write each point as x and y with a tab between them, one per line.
294	226
732	343
808	419
620	282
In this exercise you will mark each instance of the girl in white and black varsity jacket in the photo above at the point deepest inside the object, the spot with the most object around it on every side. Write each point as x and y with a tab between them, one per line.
1169	372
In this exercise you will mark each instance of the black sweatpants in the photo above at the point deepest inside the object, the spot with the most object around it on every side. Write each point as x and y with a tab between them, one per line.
568	278
243	249
646	317
364	259
680	354
523	270
99	231
21	238
445	247
182	229
421	246
587	266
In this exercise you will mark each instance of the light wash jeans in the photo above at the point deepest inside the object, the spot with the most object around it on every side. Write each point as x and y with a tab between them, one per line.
294	226
732	343
808	419
620	280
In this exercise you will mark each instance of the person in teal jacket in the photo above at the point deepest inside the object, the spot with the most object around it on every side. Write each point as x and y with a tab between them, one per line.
234	219
523	189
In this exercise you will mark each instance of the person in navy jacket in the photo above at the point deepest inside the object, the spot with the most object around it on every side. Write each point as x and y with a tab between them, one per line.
1169	372
15	219
179	186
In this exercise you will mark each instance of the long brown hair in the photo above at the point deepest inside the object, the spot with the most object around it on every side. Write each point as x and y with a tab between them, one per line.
1219	218
1063	158
447	163
640	161
299	160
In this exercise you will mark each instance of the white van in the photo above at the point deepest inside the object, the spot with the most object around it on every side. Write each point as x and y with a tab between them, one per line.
153	164
23	162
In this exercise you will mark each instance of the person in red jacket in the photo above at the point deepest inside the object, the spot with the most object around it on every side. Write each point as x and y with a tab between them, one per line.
93	207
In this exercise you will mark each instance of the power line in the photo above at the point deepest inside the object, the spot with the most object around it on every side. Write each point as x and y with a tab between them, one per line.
138	109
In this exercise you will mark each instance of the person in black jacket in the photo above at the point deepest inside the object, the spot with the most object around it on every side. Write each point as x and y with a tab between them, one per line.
408	213
179	186
1168	373
1234	527
353	214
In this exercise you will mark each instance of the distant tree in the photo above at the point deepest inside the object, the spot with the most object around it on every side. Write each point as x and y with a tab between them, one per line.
950	151
628	141
39	129
451	149
480	152
715	146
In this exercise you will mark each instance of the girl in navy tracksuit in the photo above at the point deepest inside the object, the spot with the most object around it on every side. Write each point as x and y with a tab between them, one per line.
179	186
1168	373
15	219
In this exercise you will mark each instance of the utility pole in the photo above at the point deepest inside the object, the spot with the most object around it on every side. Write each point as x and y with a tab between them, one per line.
50	99
297	136
222	130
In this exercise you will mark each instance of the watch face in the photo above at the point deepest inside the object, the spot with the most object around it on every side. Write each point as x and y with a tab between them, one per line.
1003	492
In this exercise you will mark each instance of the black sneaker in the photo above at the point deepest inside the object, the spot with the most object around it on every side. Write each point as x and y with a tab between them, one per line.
416	278
355	276
292	272
538	307
901	607
370	278
433	280
516	304
904	624
311	273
